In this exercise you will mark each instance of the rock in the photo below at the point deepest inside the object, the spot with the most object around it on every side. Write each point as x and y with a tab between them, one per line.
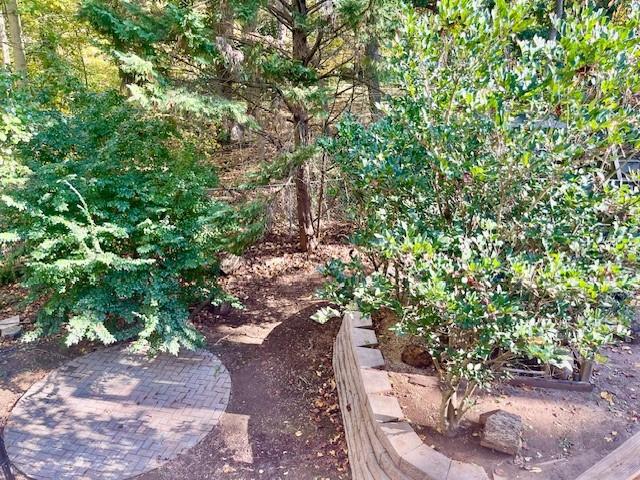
416	356
565	371
236	135
230	263
15	320
502	431
499	474
10	331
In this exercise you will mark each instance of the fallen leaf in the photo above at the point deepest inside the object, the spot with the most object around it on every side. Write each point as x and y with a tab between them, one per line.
608	396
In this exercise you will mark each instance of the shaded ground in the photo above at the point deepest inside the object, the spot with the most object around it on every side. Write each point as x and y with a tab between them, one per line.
282	421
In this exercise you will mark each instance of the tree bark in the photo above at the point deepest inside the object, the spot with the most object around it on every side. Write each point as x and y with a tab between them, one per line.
558	10
15	33
4	41
300	53
372	54
225	31
449	419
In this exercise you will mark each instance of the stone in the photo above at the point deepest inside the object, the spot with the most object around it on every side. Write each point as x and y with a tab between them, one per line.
375	381
230	263
564	372
10	331
416	356
361	337
356	319
425	462
385	408
369	357
466	471
502	431
398	438
15	320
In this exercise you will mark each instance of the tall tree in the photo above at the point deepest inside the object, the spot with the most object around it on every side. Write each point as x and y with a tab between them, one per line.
15	33
4	41
322	53
265	52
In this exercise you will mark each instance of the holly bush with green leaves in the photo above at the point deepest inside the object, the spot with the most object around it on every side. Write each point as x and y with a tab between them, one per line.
486	197
117	234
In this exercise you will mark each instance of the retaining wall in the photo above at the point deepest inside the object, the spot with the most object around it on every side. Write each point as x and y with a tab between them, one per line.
382	445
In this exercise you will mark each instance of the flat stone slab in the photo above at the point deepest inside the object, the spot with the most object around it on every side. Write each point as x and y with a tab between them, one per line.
5	322
10	331
113	414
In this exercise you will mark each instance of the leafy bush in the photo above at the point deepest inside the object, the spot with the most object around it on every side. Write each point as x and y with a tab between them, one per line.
118	234
485	197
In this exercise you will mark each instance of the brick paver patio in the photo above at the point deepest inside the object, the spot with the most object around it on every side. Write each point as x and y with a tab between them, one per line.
113	414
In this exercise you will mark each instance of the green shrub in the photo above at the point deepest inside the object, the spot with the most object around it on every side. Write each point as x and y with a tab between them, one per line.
118	234
485	200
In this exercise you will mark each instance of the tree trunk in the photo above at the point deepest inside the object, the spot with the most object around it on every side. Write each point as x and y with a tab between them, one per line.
225	31
15	33
558	10
300	52
449	420
306	232
372	53
4	42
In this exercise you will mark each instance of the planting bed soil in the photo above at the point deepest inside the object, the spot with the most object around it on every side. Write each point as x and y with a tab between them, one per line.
565	432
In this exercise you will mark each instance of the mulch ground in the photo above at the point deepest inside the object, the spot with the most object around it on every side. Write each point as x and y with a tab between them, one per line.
283	419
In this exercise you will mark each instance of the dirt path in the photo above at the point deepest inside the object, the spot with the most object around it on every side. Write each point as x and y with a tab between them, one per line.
282	421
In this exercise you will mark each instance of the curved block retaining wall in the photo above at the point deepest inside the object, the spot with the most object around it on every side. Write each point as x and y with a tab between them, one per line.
382	445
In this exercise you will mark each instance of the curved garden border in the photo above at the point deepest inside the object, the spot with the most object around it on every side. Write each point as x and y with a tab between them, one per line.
383	446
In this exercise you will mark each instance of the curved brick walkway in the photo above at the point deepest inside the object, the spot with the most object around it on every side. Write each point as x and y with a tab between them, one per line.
112	414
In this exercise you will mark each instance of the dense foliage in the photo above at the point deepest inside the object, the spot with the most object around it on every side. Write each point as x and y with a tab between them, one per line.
117	234
485	198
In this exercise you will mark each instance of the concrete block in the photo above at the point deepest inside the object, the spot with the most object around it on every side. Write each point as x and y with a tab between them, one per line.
374	468
356	319
368	357
384	408
10	331
399	438
361	337
391	468
7	322
466	471
375	381
425	463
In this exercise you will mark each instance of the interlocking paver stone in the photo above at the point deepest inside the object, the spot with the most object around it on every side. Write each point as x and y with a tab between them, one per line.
114	414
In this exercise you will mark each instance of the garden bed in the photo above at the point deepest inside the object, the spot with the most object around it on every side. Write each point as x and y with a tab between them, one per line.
566	432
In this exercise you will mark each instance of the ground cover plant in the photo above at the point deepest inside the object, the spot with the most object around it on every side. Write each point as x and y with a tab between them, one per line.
487	210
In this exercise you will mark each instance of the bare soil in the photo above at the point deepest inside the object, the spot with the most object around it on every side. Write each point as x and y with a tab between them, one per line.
565	432
283	419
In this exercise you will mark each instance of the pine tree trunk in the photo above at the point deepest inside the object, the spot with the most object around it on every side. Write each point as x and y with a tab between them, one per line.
372	53
4	42
306	232
300	52
225	30
15	33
